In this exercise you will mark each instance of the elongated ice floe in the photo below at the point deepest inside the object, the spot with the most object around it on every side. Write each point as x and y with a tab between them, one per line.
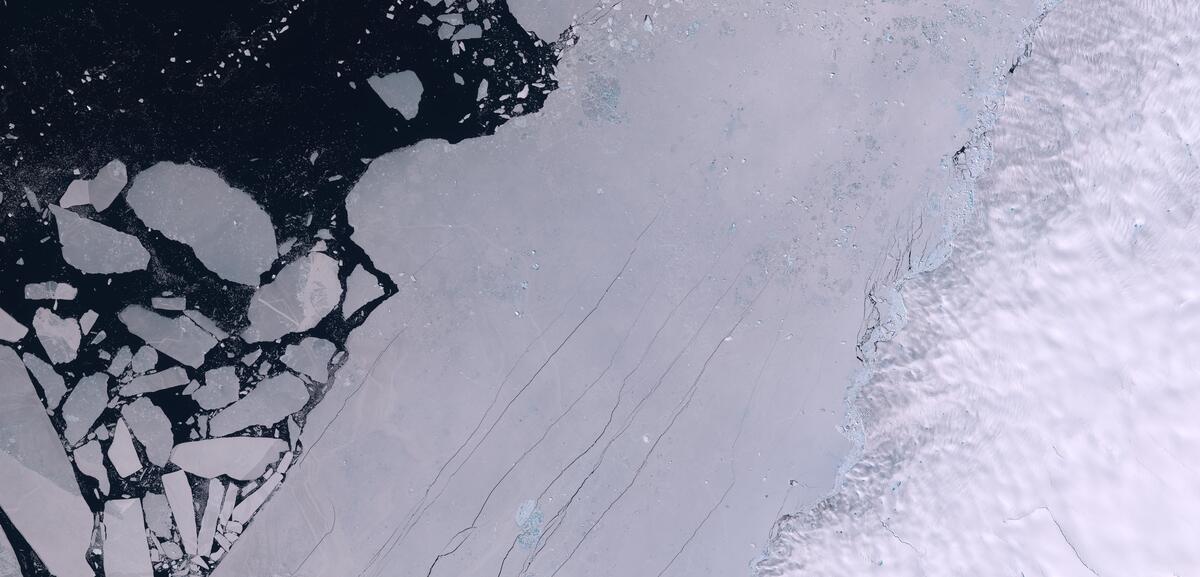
241	458
179	337
302	294
268	403
126	553
94	248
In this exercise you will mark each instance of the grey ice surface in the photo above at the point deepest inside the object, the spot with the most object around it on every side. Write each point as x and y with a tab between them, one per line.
179	337
179	497
51	382
220	388
310	357
158	514
108	183
121	452
206	324
94	248
208	520
169	303
166	379
302	294
401	91
120	361
9	566
11	330
59	336
267	403
144	360
126	553
36	476
83	406
229	232
151	427
89	458
361	288
241	458
50	291
75	195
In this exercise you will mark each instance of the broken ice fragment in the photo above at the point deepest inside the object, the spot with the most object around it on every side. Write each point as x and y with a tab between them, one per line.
37	481
120	362
179	496
84	405
268	403
94	248
51	382
11	330
177	337
121	453
208	523
230	233
241	458
144	360
168	303
172	377
219	390
401	91
109	182
468	32
158	514
482	92
126	553
151	426
361	288
248	506
50	291
87	321
90	461
76	195
311	357
59	337
206	324
303	293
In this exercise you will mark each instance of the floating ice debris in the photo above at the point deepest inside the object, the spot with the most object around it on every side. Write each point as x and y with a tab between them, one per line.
468	32
172	377
84	405
401	91
482	92
311	357
246	508
109	183
120	362
36	476
230	233
87	321
301	295
241	458
361	288
268	403
207	324
144	360
51	382
90	461
76	195
208	523
121	453
151	426
94	248
59	337
126	553
220	389
11	330
158	514
169	303
50	291
445	31
178	337
179	496
453	19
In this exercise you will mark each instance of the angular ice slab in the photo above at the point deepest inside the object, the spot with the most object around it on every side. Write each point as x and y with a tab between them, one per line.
401	91
241	458
220	389
121	453
151	426
84	405
179	496
59	337
301	295
172	377
36	481
361	288
94	248
179	337
51	382
11	330
126	553
229	232
270	402
311	357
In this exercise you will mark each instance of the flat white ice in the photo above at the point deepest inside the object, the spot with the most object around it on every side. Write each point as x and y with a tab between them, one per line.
302	294
126	553
267	403
94	248
401	91
241	458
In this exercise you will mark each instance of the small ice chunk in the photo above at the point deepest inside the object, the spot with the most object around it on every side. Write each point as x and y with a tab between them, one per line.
151	426
158	514
76	195
445	31
94	248
121	453
169	303
220	389
11	330
361	288
178	337
234	238
424	20
241	458
59	337
468	32
120	362
51	382
50	291
482	92
126	552
144	360
311	357
453	18
207	324
248	506
87	321
268	403
90	461
172	377
179	495
401	91
84	405
208	523
303	293
109	183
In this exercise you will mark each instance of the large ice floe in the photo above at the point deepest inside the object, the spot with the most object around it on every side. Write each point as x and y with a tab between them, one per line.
1037	413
